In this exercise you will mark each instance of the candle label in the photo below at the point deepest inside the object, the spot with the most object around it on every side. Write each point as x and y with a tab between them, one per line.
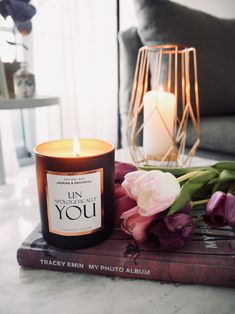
75	202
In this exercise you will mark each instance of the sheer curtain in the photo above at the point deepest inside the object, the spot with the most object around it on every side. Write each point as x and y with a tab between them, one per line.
7	145
11	166
74	57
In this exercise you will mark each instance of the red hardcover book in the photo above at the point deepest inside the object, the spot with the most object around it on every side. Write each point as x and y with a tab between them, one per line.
209	259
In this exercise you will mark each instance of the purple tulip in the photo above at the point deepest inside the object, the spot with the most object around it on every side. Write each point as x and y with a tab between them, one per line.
122	203
121	169
230	209
220	210
173	232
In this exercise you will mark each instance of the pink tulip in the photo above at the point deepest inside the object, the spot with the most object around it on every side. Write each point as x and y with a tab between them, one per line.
135	225
131	181
153	190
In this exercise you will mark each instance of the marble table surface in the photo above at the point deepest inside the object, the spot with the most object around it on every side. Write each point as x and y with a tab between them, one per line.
42	291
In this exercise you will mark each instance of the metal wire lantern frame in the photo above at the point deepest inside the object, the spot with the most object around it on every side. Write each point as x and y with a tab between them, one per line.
181	78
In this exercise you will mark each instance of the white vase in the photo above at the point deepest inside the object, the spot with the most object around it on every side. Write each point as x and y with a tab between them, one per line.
24	82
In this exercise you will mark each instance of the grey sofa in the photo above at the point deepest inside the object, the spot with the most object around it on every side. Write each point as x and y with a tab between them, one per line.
217	102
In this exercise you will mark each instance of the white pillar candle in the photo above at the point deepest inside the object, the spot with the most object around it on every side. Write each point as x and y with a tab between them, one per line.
157	140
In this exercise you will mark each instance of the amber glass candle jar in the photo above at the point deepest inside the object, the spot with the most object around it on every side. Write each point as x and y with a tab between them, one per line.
75	191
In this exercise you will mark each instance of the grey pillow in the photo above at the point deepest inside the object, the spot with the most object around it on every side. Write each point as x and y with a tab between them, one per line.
129	45
166	22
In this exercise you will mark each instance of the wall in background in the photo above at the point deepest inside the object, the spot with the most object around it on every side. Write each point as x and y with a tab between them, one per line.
127	14
220	8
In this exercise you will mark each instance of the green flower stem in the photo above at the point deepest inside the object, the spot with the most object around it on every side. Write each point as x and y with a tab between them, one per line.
197	181
200	202
188	176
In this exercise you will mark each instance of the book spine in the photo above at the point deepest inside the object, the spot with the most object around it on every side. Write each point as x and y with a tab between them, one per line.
128	268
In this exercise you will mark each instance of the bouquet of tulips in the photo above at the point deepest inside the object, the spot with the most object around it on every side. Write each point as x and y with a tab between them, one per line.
165	204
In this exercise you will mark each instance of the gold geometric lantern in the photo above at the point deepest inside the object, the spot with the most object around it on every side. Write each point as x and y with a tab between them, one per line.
164	104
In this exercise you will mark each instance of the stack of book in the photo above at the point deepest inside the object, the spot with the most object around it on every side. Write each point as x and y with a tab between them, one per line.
208	259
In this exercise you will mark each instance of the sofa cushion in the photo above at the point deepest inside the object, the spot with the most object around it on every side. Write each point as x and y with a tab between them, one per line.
129	45
166	22
217	134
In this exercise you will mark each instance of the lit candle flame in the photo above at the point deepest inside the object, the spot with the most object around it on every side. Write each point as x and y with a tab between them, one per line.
76	146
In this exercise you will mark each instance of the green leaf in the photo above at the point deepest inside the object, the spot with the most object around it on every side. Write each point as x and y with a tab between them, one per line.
224	176
190	187
225	187
225	165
